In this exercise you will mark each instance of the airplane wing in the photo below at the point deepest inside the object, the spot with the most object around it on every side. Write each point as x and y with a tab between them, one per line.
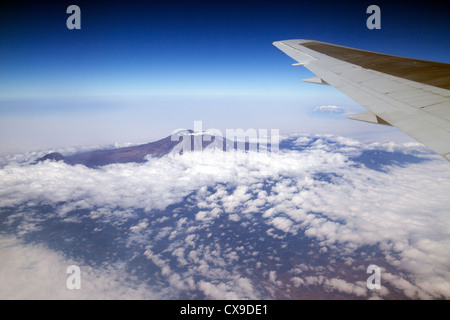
410	94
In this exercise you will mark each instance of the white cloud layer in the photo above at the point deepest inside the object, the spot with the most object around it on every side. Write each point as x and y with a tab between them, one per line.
35	272
320	193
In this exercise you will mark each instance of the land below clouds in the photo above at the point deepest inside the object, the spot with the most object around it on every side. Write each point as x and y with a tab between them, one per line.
301	223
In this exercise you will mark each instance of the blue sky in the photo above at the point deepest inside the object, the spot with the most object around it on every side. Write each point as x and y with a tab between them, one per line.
138	70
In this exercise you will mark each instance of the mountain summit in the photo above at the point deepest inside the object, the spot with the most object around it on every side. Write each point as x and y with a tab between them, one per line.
179	142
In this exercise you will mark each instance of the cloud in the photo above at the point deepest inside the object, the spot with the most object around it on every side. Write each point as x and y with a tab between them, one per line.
35	272
236	289
329	109
206	225
281	223
358	289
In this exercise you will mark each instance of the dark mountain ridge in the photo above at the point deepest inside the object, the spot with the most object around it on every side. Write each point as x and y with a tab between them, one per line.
180	142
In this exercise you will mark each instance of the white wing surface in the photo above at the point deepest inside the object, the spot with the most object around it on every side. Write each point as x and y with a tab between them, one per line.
410	94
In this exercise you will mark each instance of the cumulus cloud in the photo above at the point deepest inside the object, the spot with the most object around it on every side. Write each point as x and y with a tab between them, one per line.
329	109
236	289
36	272
206	225
359	288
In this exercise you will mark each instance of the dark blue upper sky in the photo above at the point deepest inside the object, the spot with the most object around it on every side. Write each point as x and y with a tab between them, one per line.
147	47
196	48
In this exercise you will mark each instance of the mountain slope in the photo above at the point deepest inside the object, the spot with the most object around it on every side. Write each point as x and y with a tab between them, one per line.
182	141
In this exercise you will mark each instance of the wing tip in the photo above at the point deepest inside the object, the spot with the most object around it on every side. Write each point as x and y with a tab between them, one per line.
299	41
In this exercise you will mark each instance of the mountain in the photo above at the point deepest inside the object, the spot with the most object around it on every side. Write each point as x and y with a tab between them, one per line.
179	142
56	156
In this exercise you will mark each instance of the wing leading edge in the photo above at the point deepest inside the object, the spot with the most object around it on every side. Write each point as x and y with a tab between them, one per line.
410	94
